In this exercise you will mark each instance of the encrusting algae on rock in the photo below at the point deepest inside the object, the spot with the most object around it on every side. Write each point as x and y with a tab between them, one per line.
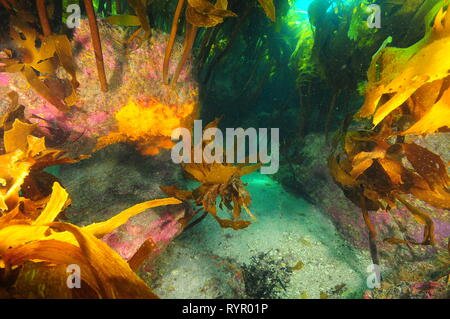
136	93
148	126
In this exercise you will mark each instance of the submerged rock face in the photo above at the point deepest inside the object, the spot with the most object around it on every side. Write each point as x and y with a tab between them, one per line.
134	77
138	109
308	175
116	178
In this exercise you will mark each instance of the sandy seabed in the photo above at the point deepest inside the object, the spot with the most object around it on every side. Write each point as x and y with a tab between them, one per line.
210	262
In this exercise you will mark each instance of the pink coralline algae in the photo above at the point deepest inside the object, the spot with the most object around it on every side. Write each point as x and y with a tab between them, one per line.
4	79
133	73
428	289
161	227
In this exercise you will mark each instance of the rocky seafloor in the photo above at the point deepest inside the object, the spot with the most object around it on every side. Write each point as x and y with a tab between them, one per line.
292	251
299	248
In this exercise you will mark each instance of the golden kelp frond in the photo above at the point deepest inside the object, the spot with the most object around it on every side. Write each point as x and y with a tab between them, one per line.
203	13
30	230
33	229
16	234
15	111
214	173
16	139
140	20
35	255
25	156
435	117
103	228
199	13
269	8
140	7
415	77
382	170
124	20
33	62
374	173
408	93
112	273
218	180
33	149
339	174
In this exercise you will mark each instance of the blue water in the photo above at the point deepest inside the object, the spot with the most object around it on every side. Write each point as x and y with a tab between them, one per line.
302	5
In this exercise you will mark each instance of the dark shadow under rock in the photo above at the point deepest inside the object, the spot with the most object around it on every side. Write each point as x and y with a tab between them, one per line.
114	179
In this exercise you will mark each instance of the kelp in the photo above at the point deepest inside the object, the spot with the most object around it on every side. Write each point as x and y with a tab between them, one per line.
139	20
417	75
344	45
25	156
42	246
36	62
372	168
36	251
15	111
97	44
140	7
42	11
269	9
301	57
201	13
218	180
407	93
125	20
19	13
357	30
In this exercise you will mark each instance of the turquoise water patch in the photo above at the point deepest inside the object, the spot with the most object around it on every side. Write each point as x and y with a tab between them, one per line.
302	5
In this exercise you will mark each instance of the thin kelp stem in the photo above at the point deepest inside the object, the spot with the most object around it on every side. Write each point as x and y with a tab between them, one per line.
96	44
187	29
372	233
118	7
197	221
428	236
217	58
192	32
42	11
5	4
173	34
142	254
134	35
206	36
